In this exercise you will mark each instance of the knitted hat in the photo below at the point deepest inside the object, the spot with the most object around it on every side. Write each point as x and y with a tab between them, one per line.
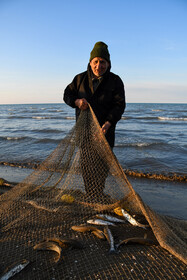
100	50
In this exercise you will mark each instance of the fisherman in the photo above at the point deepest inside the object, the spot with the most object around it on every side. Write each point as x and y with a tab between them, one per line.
105	93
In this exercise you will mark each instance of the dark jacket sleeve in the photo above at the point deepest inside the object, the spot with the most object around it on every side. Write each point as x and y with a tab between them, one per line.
72	90
70	93
119	103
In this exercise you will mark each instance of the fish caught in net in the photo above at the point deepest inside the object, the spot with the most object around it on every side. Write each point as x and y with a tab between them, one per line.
78	217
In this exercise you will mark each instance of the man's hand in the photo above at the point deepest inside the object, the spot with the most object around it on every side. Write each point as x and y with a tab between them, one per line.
81	103
105	127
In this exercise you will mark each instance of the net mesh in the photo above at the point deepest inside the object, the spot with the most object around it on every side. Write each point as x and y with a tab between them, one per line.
80	179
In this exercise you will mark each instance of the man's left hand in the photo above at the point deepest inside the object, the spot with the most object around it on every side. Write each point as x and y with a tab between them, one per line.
105	127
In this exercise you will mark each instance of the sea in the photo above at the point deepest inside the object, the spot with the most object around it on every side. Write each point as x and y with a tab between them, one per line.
150	138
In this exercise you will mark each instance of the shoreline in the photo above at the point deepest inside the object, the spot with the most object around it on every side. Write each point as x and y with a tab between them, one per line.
131	173
163	196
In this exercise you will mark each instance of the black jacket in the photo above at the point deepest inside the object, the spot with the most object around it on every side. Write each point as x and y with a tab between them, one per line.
107	102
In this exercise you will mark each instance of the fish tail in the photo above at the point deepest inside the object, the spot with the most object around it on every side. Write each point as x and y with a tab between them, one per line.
117	246
113	251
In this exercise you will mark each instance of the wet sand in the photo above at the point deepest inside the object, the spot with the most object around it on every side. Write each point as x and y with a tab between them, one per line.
165	197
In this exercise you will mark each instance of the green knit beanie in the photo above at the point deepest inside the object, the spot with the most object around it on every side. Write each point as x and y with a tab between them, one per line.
100	50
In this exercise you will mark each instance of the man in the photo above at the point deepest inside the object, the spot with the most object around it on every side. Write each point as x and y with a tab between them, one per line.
103	90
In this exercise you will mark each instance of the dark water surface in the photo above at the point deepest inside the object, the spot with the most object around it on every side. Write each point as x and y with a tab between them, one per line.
149	137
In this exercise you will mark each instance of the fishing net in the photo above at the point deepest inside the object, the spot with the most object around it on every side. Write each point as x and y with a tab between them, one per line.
80	180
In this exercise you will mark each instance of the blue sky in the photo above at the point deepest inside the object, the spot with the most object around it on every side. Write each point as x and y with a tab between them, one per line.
45	43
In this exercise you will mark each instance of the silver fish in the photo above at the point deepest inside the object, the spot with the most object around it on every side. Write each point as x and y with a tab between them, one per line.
111	218
100	222
16	268
131	220
110	239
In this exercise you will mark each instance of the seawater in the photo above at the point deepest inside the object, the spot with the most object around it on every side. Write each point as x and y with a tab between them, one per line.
149	137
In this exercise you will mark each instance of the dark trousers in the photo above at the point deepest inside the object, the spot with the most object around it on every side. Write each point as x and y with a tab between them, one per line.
94	170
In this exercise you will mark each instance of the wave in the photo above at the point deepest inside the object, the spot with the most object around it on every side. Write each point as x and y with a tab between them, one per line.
55	110
16	117
156	176
128	172
155	118
13	138
139	145
181	111
124	118
70	118
138	118
40	118
47	140
157	146
23	138
41	140
54	131
171	119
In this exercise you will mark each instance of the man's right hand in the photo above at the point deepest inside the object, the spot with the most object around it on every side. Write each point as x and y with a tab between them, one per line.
81	103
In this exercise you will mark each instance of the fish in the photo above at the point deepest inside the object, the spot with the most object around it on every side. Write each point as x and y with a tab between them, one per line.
66	243
131	220
34	204
14	269
110	239
100	222
84	228
49	246
110	218
137	240
102	207
99	233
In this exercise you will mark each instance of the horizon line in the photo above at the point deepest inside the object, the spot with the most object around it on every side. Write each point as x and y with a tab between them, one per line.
67	105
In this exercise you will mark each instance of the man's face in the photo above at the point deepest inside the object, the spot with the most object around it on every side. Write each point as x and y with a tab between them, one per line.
99	66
